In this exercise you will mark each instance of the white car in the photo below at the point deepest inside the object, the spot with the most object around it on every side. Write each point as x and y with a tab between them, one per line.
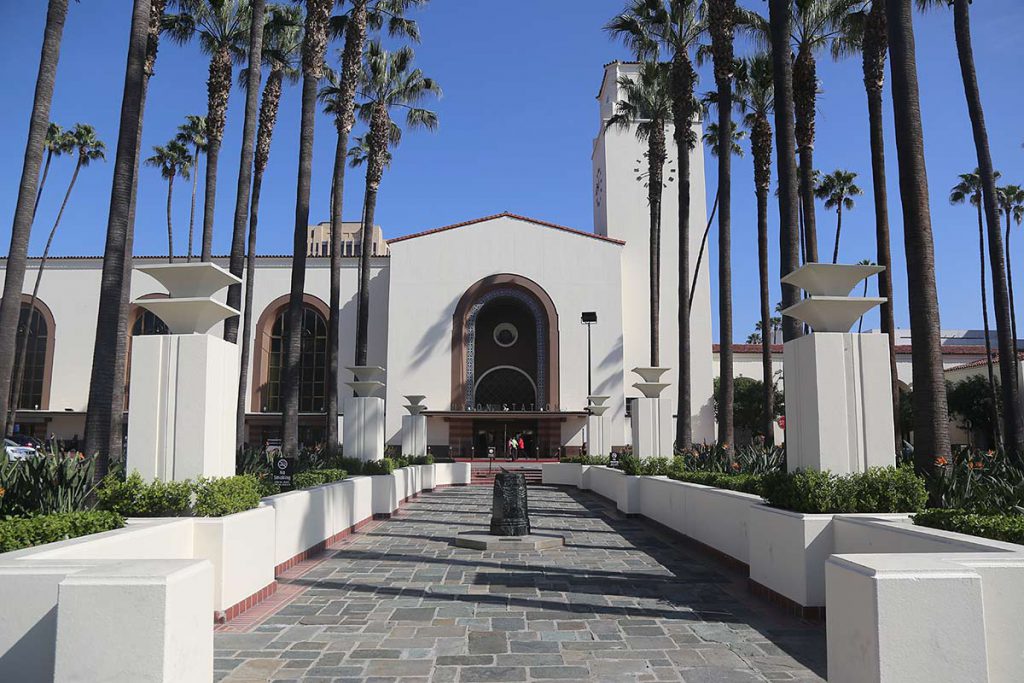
16	452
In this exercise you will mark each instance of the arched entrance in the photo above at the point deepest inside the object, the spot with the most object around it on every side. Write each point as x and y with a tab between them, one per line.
505	368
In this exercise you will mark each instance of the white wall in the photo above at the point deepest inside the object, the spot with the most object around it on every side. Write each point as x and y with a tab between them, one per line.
430	274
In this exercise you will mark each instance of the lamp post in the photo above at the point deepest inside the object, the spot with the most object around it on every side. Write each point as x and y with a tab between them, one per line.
589	318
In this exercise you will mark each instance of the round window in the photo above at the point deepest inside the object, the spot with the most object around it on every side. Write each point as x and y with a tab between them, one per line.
505	334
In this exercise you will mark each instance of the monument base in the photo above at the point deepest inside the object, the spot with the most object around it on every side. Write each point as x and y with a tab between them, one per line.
599	436
651	426
184	389
363	425
480	541
839	402
414	435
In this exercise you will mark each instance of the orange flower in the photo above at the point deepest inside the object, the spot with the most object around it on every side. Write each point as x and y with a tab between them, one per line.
2	491
736	467
941	462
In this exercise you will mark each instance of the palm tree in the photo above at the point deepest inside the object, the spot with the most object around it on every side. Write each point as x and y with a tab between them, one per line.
388	81
58	142
931	415
779	30
755	92
24	212
990	203
236	256
648	107
282	44
339	99
969	189
838	189
650	27
82	140
864	31
754	338
173	160
223	30
314	50
108	353
193	133
1011	201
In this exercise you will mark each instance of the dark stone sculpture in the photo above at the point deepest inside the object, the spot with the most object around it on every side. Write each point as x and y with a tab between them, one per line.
509	515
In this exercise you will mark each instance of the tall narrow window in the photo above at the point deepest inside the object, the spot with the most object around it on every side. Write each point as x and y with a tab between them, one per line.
34	332
312	362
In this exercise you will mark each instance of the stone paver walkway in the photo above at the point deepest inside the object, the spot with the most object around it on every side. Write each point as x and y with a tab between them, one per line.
621	601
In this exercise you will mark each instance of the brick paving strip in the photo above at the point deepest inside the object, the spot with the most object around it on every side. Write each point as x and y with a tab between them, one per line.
622	601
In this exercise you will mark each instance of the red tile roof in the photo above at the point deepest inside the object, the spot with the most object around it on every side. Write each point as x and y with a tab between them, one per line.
982	361
949	350
506	214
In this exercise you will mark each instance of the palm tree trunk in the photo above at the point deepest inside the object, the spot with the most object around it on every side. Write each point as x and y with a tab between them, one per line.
267	121
807	201
681	77
1013	308
931	417
874	54
42	181
218	86
192	211
363	302
988	341
19	376
24	212
250	286
768	399
703	244
785	144
860	321
170	230
1000	299
726	429
334	324
252	102
116	261
839	228
656	165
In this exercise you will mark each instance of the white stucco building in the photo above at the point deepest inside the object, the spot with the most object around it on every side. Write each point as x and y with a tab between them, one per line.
482	317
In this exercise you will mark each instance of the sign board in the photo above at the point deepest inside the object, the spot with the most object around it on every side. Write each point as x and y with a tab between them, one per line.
283	468
613	459
490	451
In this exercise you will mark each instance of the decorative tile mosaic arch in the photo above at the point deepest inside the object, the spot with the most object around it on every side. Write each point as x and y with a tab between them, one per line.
540	322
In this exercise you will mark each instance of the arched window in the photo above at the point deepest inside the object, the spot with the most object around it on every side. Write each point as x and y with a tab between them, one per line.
149	322
312	362
35	329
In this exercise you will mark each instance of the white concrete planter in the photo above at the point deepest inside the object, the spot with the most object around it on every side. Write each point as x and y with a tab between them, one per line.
788	552
628	498
719	518
427	475
563	473
241	548
605	481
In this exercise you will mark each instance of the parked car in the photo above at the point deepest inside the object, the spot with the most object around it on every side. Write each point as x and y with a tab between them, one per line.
16	451
26	440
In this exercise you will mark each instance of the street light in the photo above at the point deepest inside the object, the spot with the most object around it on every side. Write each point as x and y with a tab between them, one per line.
589	318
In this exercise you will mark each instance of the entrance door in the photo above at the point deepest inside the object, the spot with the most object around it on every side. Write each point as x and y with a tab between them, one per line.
497	433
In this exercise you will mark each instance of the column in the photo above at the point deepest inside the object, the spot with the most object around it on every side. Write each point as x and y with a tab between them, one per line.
364	414
414	427
651	421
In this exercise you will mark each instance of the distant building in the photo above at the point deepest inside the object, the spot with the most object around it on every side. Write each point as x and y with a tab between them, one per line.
318	240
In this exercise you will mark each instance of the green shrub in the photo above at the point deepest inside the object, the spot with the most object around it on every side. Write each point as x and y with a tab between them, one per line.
422	460
631	465
880	489
135	498
998	527
204	497
305	480
745	483
382	466
585	459
49	483
25	532
400	461
222	496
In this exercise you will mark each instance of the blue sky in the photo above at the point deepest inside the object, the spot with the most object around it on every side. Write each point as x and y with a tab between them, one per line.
517	120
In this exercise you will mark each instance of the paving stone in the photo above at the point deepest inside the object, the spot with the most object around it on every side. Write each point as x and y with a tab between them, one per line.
620	602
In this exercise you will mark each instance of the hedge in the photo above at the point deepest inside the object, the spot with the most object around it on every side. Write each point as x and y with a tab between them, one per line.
745	483
1009	528
305	480
25	532
880	489
203	497
382	466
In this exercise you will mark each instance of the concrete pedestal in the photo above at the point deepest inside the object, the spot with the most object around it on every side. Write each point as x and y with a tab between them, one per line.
183	394
599	436
651	425
364	428
414	435
839	402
